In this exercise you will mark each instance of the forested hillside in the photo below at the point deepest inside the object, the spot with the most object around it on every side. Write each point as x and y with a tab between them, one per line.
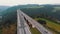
46	11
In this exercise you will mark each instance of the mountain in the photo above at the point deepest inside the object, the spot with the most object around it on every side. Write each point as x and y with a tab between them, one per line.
51	11
3	8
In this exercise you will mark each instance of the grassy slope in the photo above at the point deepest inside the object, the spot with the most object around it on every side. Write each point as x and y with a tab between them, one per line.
34	31
51	24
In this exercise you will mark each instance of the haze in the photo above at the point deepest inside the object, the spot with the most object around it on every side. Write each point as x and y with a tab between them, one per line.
21	2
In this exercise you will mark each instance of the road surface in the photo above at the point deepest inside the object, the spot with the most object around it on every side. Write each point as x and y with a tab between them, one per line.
22	27
42	29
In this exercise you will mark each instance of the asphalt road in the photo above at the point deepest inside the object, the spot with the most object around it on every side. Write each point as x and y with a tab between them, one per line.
22	27
42	29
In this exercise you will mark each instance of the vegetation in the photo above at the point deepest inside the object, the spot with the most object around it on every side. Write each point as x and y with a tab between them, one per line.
51	12
0	31
51	25
34	31
9	30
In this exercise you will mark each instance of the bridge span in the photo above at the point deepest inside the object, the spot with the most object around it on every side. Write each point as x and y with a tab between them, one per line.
22	26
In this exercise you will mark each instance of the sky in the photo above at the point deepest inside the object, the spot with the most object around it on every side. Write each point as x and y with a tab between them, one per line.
23	2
